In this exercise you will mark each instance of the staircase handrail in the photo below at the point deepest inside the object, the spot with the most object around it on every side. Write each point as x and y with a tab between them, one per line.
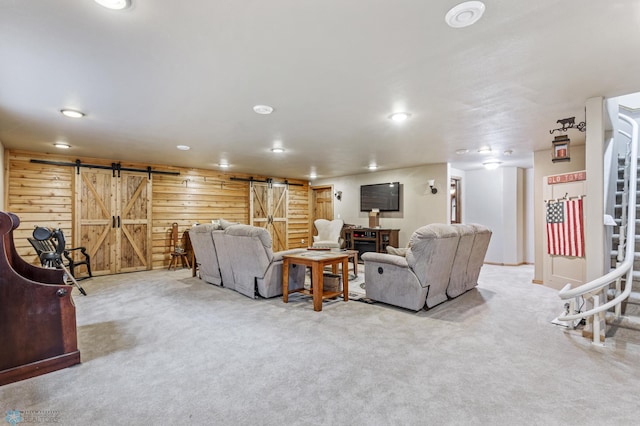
627	265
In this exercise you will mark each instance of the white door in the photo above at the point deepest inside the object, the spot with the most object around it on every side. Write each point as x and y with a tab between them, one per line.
562	270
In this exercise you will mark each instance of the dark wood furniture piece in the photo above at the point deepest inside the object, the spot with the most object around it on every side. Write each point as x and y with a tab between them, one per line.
37	315
316	260
370	239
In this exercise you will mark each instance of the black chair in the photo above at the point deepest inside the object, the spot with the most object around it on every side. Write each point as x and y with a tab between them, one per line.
50	247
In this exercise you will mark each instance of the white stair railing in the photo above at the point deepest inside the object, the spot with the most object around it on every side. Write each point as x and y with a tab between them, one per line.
594	289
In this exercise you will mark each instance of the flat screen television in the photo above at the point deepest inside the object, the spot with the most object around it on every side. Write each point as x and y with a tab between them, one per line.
382	196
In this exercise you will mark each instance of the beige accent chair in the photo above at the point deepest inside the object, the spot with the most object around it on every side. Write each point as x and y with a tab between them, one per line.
205	252
328	233
421	277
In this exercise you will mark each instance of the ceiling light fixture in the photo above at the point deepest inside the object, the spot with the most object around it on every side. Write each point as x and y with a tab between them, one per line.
114	4
461	151
464	14
183	147
313	176
62	145
263	109
508	152
484	150
277	150
372	167
399	117
72	113
223	165
492	165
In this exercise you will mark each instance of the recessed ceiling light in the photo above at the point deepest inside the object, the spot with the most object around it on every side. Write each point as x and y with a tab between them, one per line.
223	165
114	4
277	150
399	117
461	151
183	147
313	176
263	109
485	150
62	145
508	152
491	165
372	167
71	113
464	14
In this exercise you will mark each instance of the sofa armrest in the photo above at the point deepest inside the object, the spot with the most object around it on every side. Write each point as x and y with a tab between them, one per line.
277	256
389	259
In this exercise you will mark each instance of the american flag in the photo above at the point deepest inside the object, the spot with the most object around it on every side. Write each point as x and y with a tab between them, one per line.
565	228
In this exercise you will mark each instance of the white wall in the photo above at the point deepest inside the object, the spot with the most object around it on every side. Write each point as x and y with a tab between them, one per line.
496	199
529	229
418	206
485	206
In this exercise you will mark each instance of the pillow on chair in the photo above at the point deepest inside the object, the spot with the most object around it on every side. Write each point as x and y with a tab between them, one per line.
397	251
224	224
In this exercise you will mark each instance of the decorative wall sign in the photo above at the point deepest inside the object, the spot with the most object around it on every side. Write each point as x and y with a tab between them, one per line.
567	177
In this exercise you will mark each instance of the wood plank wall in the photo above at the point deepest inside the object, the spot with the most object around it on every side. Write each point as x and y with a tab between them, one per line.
42	194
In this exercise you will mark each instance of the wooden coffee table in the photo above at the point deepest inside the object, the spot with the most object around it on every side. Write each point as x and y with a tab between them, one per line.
316	260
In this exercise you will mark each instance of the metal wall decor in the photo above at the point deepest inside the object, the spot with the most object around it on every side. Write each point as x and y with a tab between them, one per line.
569	123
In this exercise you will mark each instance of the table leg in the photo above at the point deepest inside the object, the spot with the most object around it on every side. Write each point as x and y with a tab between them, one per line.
345	279
285	280
355	264
316	283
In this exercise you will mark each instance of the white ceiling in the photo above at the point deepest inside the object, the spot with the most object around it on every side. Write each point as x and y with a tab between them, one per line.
166	72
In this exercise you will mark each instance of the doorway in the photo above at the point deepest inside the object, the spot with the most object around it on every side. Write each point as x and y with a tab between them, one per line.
321	206
455	199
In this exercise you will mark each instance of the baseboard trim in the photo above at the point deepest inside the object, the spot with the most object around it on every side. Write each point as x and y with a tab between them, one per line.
507	264
537	282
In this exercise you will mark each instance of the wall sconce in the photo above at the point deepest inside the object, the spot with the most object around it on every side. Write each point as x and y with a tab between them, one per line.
432	185
338	195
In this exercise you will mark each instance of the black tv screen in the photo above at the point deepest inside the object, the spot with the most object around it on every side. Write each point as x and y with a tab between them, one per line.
382	196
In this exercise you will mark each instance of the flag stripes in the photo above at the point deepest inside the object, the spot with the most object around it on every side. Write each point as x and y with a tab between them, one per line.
565	228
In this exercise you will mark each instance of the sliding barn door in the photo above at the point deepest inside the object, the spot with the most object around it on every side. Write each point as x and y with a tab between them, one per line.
95	207
114	220
133	234
269	210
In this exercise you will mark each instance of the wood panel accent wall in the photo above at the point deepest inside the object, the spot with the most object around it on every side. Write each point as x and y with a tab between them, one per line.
42	194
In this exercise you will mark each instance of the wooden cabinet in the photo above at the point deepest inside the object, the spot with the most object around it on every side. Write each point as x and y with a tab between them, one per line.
113	219
269	209
370	239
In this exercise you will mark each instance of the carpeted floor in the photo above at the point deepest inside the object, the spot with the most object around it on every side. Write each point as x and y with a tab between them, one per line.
161	347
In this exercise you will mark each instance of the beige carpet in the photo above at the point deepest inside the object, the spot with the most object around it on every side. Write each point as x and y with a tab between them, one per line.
162	348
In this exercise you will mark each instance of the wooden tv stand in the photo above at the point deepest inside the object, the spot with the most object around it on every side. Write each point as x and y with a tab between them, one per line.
370	239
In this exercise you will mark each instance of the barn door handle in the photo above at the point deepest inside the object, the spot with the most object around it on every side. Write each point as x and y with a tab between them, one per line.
118	221
113	221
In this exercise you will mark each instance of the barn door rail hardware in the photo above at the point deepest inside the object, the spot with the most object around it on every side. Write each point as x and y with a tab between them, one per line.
269	181
116	168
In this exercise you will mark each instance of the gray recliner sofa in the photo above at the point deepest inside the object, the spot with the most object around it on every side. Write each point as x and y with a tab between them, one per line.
441	262
205	252
248	264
